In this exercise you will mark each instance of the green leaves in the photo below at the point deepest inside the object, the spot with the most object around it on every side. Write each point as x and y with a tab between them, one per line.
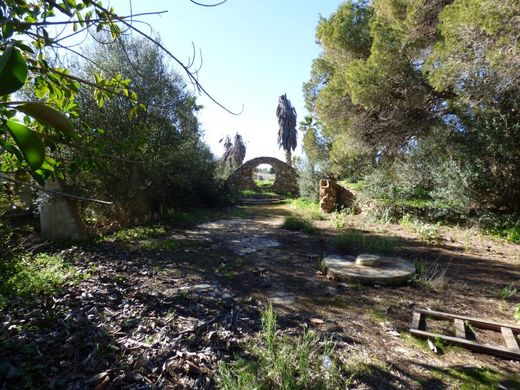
49	116
28	142
13	71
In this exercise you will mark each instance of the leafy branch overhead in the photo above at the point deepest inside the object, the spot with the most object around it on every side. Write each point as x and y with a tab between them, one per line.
30	130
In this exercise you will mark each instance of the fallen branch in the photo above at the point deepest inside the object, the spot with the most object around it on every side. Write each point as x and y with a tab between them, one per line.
53	192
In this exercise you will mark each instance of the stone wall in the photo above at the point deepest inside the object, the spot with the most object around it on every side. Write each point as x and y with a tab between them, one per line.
333	195
286	180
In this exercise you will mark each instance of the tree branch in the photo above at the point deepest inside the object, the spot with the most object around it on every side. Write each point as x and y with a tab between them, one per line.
53	192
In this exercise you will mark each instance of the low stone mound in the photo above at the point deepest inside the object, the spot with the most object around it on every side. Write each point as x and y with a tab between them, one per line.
369	269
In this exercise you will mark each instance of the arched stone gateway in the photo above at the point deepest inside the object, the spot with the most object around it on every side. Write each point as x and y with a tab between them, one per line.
286	180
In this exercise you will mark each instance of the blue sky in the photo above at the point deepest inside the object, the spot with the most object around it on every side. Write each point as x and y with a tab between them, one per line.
252	51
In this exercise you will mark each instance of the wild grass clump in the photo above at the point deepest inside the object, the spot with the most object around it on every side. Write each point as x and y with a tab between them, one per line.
517	313
282	362
33	276
431	276
427	232
507	291
299	224
355	241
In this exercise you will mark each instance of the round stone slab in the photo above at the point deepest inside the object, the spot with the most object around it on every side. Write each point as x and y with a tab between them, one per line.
390	271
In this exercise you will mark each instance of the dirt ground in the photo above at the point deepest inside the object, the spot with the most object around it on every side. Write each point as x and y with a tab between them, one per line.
164	317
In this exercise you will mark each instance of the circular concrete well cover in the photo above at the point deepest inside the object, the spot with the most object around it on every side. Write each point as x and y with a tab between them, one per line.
369	269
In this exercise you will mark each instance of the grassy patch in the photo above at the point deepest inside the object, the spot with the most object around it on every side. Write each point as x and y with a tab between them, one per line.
307	209
355	241
264	183
298	224
378	315
136	233
278	362
166	245
474	378
33	276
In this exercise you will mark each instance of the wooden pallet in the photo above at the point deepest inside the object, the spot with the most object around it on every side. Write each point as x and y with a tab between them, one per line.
510	350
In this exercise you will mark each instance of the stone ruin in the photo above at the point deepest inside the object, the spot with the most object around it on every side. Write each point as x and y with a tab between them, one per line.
286	181
333	196
59	215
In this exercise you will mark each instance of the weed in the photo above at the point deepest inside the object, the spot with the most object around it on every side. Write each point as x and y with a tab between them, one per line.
517	313
507	291
356	241
279	362
299	224
431	276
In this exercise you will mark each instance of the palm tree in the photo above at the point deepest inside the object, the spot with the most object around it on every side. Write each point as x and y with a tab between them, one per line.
234	153
287	133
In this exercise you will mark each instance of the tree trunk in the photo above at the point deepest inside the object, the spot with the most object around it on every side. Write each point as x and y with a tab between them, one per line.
288	156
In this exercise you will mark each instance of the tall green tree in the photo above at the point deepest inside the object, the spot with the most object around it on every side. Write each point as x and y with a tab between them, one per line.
393	72
145	160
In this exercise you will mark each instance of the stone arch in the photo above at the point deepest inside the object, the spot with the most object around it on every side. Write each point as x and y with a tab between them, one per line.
286	177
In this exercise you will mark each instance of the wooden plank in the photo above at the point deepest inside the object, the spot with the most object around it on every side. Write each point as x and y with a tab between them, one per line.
477	322
495	350
460	328
510	339
417	322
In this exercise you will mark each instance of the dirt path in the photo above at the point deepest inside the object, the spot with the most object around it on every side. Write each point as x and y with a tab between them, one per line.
163	317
